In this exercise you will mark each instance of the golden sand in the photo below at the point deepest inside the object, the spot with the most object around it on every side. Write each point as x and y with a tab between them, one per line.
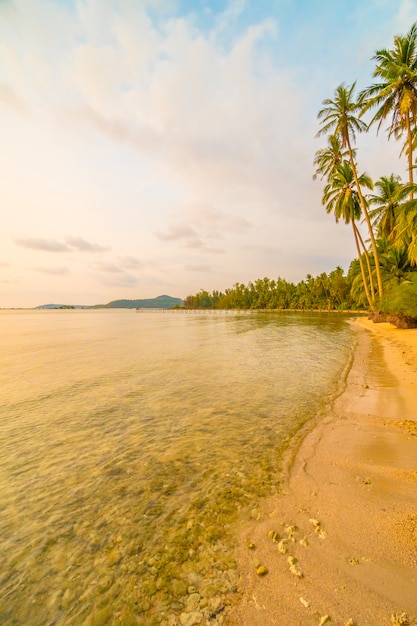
340	544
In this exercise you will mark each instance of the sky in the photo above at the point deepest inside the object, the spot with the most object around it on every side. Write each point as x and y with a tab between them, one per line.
156	147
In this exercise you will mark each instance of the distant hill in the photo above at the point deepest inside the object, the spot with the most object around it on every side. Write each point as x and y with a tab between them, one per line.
161	302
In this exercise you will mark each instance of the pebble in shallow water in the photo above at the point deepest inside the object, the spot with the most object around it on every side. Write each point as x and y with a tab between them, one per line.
282	546
274	536
294	568
190	619
192	603
318	528
291	530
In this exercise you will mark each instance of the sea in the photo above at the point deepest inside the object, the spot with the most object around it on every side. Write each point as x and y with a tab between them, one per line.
134	444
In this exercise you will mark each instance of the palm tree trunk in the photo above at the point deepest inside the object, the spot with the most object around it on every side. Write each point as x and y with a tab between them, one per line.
410	153
365	282
368	263
367	218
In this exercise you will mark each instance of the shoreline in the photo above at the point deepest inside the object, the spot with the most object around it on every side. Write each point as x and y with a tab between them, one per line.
345	543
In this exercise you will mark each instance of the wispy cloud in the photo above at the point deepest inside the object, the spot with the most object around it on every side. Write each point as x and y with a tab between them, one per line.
46	245
78	243
70	244
200	226
181	232
114	275
175	93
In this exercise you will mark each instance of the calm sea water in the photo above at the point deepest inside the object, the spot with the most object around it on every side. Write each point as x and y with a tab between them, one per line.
132	444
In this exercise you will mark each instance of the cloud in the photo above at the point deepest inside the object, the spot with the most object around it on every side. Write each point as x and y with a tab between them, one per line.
188	237
51	245
213	111
113	275
4	264
209	102
85	246
232	11
46	245
199	225
181	232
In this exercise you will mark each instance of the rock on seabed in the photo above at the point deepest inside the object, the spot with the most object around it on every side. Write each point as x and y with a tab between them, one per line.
191	619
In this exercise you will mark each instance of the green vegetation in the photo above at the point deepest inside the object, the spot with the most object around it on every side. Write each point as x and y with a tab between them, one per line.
383	277
324	292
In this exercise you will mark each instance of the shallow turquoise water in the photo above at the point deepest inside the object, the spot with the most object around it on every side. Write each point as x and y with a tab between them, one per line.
132	444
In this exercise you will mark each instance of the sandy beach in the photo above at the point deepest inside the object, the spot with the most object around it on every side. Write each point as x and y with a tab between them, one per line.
340	543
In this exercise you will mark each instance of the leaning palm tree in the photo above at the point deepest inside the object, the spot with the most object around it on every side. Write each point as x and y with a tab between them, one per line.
327	159
368	262
396	93
386	202
405	232
341	198
340	117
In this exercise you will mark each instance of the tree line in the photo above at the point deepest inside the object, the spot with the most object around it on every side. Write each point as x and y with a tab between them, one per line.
323	292
383	277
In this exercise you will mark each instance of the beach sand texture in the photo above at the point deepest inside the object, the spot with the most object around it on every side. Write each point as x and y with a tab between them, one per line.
344	550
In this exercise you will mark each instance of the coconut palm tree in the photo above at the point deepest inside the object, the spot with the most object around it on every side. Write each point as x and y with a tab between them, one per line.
340	116
326	159
394	262
341	198
405	233
387	202
396	93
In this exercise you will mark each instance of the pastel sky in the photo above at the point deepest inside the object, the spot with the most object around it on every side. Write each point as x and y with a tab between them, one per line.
165	146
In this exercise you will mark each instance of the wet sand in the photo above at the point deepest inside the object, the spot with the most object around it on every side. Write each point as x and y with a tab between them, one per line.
345	548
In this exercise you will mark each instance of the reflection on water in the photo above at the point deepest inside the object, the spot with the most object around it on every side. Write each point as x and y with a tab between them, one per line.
131	443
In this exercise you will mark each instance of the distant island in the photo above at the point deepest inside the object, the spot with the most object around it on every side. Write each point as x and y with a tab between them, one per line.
160	302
